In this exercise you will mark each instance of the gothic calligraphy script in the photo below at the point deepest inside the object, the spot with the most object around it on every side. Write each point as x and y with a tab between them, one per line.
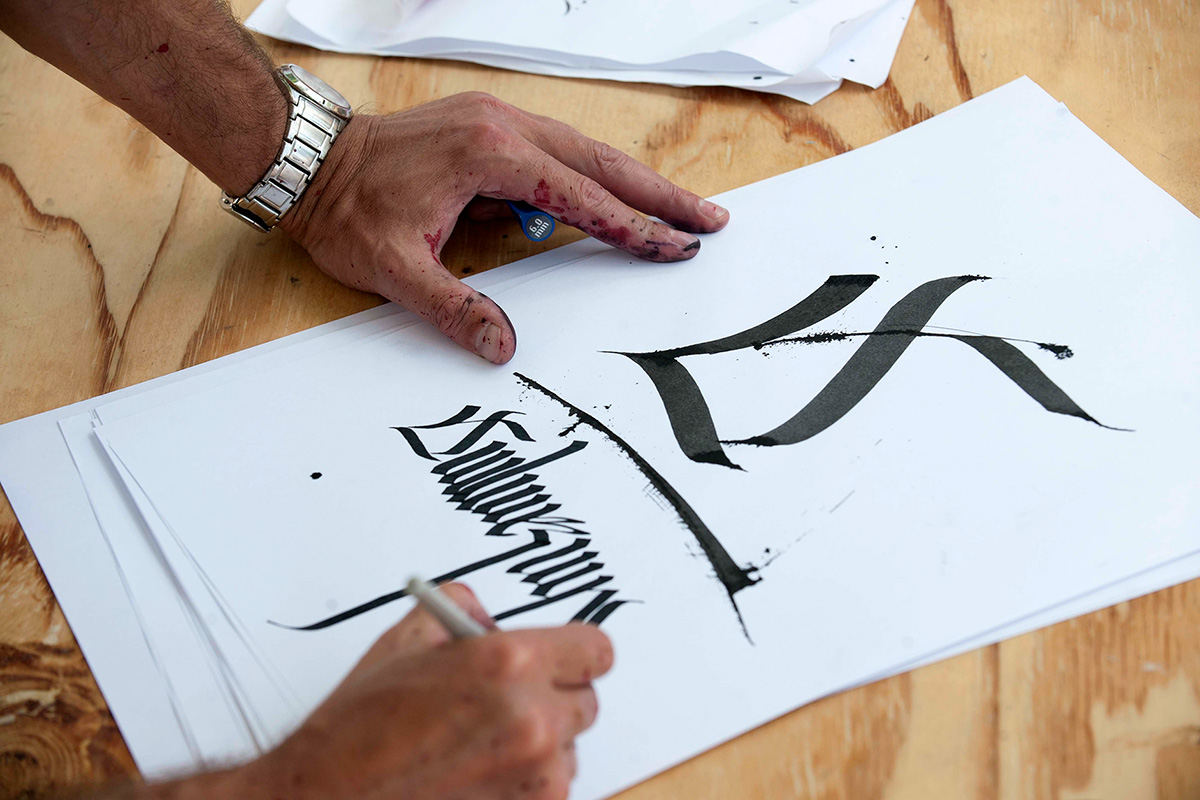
502	488
693	425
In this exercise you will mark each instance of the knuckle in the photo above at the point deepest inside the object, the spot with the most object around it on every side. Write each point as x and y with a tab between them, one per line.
591	193
487	134
607	159
530	736
473	97
676	194
506	659
485	101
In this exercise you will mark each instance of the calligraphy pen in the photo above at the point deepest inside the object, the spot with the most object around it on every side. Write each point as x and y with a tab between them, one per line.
444	610
536	224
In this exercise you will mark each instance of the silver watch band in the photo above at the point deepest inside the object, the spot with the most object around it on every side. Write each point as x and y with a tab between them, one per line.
311	132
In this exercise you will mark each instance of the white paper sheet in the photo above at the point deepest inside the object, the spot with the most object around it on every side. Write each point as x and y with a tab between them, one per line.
944	505
718	35
859	49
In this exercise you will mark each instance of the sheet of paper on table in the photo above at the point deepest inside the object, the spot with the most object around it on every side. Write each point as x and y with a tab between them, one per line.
925	394
801	50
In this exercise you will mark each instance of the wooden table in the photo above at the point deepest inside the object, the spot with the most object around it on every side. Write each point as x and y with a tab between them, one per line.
117	266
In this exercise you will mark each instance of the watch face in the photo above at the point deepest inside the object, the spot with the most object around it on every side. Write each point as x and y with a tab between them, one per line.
301	76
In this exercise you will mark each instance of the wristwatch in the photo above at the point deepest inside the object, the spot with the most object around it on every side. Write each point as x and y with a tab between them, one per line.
318	113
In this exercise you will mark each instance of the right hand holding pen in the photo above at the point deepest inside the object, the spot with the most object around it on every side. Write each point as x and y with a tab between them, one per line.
422	717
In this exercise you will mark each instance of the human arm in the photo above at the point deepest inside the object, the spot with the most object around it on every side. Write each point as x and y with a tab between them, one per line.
390	193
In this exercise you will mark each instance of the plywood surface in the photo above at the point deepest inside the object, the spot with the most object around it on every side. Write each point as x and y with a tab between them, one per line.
117	266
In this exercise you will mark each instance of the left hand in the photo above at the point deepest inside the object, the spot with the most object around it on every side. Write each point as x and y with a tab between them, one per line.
386	200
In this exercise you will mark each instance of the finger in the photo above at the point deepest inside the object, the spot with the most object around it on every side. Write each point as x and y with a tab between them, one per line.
580	201
485	209
420	630
420	283
575	654
461	595
570	759
581	709
416	633
551	781
625	177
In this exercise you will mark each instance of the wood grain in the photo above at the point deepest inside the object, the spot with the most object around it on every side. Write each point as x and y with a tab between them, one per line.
117	266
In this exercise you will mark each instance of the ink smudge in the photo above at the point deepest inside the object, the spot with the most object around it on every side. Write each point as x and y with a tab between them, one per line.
433	240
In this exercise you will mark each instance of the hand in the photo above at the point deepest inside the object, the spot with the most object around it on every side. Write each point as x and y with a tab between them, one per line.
386	200
425	717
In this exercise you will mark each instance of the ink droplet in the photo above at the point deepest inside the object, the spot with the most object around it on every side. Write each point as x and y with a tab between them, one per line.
872	238
315	475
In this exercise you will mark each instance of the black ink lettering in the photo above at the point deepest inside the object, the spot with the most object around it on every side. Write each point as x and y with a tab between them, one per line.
495	483
540	539
732	576
578	544
691	420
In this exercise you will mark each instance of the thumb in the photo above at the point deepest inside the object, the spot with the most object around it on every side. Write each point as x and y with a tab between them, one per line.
468	317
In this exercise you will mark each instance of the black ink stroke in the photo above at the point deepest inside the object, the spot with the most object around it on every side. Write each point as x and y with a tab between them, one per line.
731	575
691	420
499	486
1006	357
686	408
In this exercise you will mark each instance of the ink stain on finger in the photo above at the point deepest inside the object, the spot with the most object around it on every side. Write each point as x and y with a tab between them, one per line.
163	48
433	240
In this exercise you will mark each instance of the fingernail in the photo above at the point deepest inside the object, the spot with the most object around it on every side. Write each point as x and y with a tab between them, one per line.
712	211
487	342
685	241
504	314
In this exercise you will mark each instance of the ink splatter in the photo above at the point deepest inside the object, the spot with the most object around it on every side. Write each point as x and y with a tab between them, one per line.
315	475
1060	351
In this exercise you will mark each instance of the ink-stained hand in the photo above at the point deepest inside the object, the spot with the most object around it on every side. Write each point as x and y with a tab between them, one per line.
425	717
389	195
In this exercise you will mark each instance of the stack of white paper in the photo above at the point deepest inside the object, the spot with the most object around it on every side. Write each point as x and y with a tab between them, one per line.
923	396
801	49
